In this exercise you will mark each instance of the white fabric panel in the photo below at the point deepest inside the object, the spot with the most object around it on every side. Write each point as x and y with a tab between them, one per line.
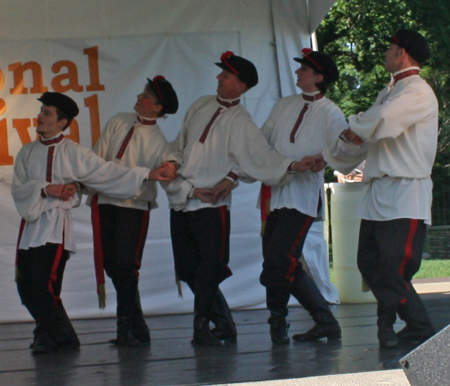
180	39
291	26
317	11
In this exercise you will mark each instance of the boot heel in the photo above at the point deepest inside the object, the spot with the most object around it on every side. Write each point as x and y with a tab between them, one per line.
335	336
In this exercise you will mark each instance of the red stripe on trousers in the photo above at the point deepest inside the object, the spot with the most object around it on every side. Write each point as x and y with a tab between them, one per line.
98	249
54	275
294	260
409	247
223	214
142	238
266	195
22	226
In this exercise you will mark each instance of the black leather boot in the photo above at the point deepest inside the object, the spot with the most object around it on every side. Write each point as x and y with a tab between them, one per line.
125	335
386	319
126	294
309	296
278	330
225	328
43	344
65	335
418	324
277	299
202	333
139	328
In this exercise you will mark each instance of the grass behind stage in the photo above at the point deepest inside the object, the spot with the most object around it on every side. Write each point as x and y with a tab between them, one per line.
430	268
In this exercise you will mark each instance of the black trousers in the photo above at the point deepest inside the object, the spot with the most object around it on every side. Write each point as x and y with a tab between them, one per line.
389	254
283	240
123	234
39	279
201	249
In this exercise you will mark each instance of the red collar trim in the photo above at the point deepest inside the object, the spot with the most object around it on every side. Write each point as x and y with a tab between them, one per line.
52	141
312	98
405	74
228	104
149	122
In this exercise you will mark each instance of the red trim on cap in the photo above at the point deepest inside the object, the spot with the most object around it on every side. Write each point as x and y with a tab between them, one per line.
395	39
306	52
155	80
224	58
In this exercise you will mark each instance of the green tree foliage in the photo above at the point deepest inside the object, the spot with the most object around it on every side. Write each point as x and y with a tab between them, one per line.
353	32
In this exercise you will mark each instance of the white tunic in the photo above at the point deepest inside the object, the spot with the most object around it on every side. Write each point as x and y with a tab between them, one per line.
49	220
401	129
320	128
233	139
144	149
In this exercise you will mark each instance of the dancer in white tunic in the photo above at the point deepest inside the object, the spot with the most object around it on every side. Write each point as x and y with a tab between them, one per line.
401	129
120	225
299	126
47	176
217	134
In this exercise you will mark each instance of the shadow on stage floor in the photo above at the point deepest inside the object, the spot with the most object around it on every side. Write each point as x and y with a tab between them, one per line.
171	360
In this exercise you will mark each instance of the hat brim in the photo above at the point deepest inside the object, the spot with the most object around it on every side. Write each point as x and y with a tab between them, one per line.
330	76
223	66
390	39
307	63
170	104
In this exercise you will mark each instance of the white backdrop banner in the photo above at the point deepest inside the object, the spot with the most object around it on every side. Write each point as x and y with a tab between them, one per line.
104	76
101	58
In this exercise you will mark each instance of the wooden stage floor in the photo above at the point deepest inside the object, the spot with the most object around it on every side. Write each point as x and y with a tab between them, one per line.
171	360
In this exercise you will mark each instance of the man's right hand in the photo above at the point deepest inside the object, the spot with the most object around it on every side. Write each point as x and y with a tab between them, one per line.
352	137
203	194
161	173
170	169
56	191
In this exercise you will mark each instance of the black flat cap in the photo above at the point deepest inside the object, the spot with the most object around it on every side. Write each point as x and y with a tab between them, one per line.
66	104
165	93
321	63
413	42
242	68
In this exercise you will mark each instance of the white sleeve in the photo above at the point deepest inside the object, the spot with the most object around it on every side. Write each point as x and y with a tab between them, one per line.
27	194
107	177
394	116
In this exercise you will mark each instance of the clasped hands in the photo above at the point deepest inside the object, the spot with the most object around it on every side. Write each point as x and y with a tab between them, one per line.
61	191
352	137
166	172
315	163
219	192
